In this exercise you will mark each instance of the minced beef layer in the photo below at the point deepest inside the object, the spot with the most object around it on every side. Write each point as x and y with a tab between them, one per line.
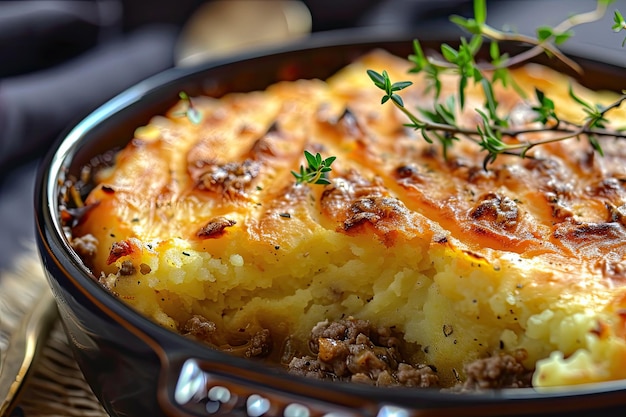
354	350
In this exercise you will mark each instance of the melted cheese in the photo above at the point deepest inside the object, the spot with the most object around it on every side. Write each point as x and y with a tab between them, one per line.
208	220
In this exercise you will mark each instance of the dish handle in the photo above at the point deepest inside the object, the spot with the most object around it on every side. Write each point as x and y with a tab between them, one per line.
200	387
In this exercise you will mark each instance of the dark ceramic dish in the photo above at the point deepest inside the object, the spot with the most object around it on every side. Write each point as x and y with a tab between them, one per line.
137	368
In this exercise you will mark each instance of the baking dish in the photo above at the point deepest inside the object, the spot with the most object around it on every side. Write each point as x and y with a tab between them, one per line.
138	368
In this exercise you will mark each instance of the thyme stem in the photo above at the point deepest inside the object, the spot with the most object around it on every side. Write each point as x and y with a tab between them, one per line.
569	129
441	124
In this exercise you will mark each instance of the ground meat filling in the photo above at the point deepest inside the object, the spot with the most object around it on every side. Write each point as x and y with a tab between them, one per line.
199	328
500	371
356	351
353	350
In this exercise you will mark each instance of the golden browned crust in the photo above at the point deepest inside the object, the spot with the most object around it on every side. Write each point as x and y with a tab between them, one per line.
227	182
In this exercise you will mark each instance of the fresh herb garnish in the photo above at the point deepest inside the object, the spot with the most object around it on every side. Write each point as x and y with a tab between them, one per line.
192	113
494	135
316	170
619	24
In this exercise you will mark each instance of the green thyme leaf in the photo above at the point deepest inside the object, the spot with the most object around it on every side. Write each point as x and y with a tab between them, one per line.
439	123
544	108
480	11
544	33
561	38
470	25
377	78
418	59
400	85
578	99
595	144
619	24
316	170
192	113
397	99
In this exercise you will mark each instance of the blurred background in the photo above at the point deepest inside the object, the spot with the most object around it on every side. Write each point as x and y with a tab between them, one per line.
60	59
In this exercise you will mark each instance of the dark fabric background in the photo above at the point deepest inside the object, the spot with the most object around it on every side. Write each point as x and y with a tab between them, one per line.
61	59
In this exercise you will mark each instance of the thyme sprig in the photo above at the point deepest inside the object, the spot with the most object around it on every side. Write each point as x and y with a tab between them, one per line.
494	135
191	112
316	171
619	24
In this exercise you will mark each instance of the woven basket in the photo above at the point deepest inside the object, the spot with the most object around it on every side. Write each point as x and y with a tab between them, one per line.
55	386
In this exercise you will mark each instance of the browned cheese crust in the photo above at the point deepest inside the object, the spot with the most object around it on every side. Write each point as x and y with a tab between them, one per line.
528	256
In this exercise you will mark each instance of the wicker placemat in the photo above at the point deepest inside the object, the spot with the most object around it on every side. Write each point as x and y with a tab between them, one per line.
55	387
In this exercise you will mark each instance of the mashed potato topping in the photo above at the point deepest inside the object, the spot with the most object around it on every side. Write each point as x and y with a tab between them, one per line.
203	228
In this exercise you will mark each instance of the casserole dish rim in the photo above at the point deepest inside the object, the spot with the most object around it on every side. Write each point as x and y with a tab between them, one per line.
61	159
